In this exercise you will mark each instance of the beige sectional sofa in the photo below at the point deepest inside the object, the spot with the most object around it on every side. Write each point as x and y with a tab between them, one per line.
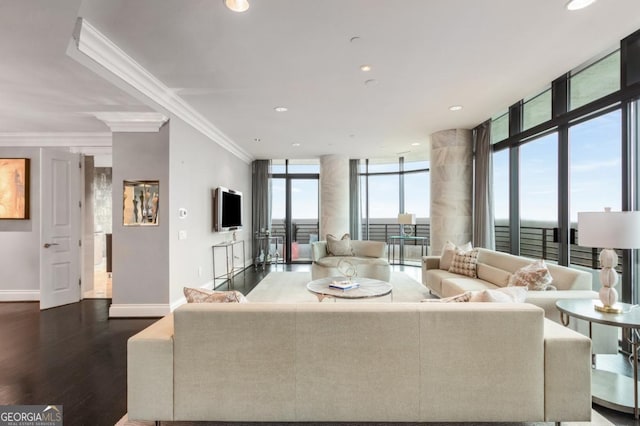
369	258
381	362
493	271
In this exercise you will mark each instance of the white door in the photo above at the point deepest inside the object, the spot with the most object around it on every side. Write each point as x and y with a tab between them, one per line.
59	229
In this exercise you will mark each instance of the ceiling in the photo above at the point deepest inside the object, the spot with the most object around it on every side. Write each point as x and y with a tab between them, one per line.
234	69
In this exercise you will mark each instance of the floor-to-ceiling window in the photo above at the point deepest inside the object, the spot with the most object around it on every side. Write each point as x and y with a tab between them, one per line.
572	147
294	208
389	187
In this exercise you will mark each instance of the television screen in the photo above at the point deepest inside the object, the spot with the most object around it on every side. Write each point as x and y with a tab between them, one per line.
231	210
227	209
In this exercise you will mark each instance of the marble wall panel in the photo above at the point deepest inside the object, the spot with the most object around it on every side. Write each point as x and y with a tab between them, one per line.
334	195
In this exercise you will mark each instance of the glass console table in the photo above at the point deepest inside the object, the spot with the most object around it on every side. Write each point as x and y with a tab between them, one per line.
401	239
233	263
608	389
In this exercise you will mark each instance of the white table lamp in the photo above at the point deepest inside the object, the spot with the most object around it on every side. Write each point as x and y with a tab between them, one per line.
609	230
406	220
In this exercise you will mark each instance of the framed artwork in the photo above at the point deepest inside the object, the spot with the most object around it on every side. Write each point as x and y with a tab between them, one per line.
14	188
141	199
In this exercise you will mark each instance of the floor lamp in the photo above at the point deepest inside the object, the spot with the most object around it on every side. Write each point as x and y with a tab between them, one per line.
609	230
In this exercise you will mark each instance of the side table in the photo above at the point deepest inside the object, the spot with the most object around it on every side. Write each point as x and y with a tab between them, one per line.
231	266
608	389
391	247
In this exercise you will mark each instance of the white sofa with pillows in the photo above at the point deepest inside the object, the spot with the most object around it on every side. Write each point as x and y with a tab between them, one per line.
463	269
368	257
353	362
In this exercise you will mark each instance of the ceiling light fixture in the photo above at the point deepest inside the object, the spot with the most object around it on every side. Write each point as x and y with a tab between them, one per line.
354	39
365	68
455	107
372	82
256	139
281	109
579	4
295	144
237	5
415	144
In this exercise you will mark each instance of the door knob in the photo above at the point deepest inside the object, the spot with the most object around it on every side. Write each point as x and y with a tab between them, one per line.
47	245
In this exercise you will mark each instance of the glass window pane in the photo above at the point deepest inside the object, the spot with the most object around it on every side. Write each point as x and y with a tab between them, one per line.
416	200
383	206
596	81
536	110
304	166
416	165
278	206
501	199
384	165
304	217
500	128
278	167
595	173
539	197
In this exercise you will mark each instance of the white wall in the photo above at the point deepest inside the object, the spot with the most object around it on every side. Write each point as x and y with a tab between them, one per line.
20	239
198	166
140	253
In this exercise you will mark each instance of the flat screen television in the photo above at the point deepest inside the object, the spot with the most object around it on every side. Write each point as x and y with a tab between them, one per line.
227	209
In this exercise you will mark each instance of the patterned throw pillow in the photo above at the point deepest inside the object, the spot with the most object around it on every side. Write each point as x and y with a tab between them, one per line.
465	263
463	297
448	251
200	295
339	247
534	276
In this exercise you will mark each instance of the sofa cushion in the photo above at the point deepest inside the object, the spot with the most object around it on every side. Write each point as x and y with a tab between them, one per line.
339	247
464	263
492	274
534	276
200	295
449	250
435	277
458	284
332	261
463	297
500	295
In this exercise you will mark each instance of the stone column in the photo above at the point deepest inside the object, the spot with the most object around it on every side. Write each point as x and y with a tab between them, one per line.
334	195
451	174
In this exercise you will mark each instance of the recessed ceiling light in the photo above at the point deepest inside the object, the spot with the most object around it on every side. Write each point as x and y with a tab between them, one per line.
415	144
354	39
256	139
281	109
237	5
372	82
365	68
579	4
455	107
295	144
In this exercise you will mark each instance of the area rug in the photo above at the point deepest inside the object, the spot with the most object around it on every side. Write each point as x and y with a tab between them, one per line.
290	287
596	420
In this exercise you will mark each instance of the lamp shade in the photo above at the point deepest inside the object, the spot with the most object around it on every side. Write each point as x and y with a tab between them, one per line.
607	229
407	219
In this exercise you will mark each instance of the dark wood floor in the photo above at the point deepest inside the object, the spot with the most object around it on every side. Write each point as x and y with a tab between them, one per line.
75	356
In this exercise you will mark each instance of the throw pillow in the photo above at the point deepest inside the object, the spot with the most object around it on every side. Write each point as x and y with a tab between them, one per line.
448	251
201	295
534	276
465	263
339	247
500	295
463	297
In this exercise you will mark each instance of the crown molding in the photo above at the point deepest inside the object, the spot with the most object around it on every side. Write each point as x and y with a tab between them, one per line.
95	45
131	121
53	139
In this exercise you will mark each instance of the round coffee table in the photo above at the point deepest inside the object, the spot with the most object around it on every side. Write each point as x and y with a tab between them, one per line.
368	288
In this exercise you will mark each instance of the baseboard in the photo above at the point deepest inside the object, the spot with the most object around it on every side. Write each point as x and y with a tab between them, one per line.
139	310
183	300
19	295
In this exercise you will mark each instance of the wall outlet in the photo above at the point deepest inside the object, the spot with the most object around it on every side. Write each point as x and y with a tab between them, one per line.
182	235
